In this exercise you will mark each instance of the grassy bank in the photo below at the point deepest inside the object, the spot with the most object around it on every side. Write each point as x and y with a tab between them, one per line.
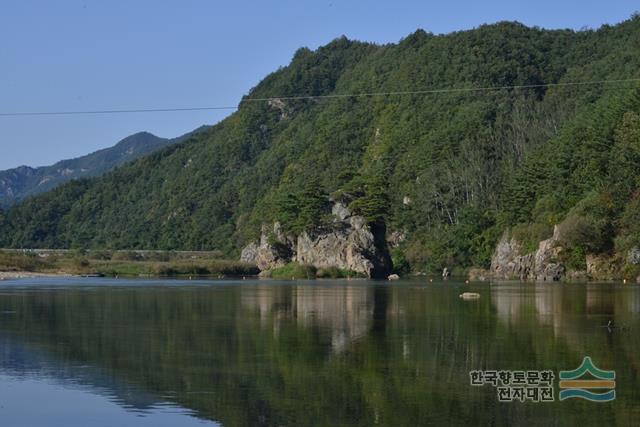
119	263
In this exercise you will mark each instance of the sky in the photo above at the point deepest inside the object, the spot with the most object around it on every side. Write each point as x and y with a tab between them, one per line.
94	55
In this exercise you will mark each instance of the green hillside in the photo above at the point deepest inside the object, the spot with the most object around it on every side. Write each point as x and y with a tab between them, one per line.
451	170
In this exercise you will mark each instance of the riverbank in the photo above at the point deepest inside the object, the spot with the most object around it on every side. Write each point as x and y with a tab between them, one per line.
7	275
21	264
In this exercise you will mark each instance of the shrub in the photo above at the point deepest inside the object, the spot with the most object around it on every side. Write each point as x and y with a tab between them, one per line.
294	271
529	235
28	261
400	263
335	273
588	225
126	256
574	258
591	235
101	255
417	255
629	225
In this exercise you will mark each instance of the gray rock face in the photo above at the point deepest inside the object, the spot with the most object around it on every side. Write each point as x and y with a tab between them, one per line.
541	265
272	251
633	257
507	263
395	238
348	243
250	253
340	211
592	264
275	248
546	266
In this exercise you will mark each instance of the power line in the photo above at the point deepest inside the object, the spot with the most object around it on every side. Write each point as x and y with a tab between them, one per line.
445	90
137	110
332	96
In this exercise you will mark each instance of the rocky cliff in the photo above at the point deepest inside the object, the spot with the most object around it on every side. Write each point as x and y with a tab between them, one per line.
349	242
508	261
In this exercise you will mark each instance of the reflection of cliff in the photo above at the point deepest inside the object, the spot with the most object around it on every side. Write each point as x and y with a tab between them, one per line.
344	312
508	304
633	302
563	308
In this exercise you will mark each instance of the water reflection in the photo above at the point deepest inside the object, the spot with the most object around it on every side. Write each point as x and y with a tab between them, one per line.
346	312
348	353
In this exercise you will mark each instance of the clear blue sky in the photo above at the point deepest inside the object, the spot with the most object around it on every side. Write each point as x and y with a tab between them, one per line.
87	55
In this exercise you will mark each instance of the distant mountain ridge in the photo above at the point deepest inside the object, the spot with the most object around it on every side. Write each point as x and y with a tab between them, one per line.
24	181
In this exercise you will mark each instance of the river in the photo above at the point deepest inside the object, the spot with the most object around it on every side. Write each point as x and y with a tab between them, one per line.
105	352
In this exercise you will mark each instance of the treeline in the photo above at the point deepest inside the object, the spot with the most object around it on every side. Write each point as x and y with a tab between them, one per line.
449	170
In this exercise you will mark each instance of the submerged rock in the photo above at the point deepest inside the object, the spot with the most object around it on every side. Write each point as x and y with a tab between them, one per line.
469	295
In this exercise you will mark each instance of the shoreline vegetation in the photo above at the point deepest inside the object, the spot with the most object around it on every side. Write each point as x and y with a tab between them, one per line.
37	263
295	270
16	264
19	264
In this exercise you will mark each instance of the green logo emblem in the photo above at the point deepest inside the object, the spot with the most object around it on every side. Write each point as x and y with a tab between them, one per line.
572	386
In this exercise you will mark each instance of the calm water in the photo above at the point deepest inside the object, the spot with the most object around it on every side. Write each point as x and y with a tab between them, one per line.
99	352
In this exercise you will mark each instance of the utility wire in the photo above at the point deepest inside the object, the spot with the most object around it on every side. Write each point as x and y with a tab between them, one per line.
137	110
333	96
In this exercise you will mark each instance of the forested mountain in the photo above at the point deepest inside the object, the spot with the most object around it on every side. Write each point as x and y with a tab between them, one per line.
24	181
448	170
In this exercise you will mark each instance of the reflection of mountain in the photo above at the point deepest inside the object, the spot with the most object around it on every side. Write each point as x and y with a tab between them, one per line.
347	354
346	312
22	361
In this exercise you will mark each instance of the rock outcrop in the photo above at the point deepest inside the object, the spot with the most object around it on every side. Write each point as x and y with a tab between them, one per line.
274	249
349	242
508	262
601	267
396	238
249	253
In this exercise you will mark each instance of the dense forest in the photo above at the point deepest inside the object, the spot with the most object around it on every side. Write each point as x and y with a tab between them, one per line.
553	138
